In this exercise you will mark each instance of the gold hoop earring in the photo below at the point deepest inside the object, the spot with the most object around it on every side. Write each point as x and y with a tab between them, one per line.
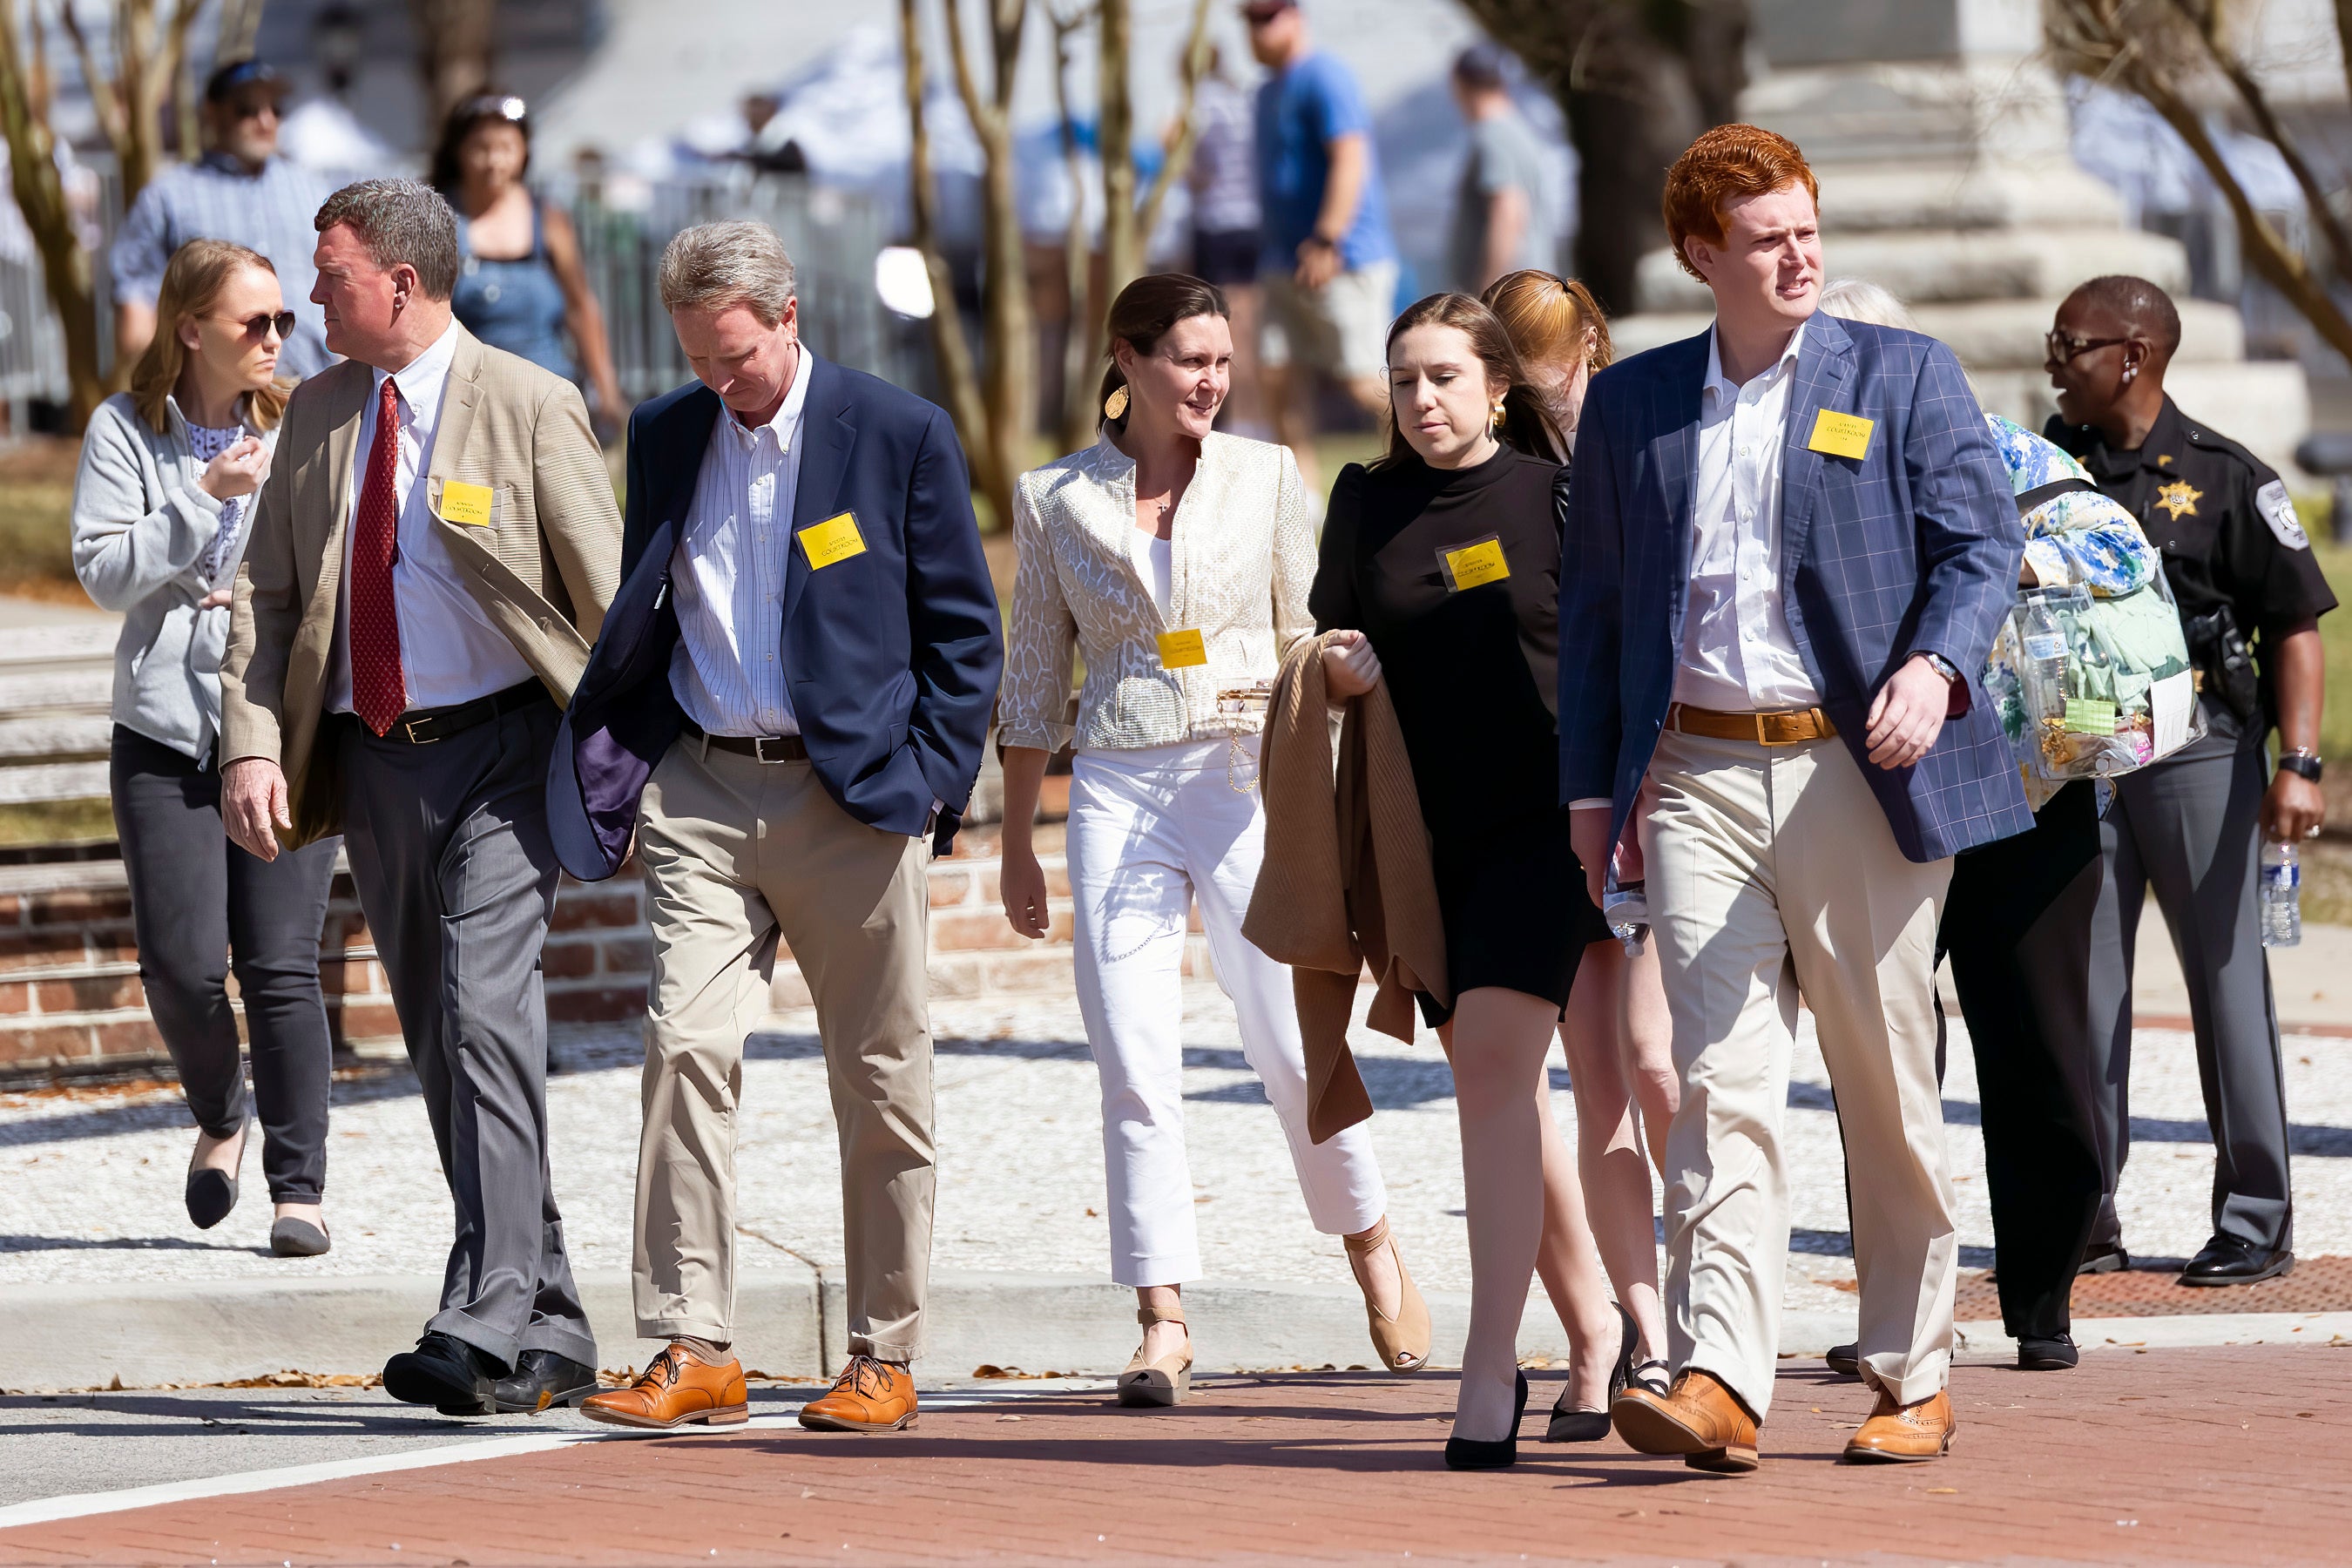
1496	423
1116	404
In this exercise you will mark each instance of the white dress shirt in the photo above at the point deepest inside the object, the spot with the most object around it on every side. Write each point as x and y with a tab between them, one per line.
728	574
449	650
1737	656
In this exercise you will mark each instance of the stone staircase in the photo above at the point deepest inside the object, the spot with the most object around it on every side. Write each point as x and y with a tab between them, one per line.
1941	145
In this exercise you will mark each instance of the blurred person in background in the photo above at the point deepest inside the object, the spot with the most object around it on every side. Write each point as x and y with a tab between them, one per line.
1164	808
1226	233
520	283
1327	264
241	189
2191	827
162	509
1617	1035
1504	216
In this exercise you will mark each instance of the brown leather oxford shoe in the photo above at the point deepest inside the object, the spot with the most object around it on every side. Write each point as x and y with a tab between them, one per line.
1904	1434
868	1396
1701	1420
677	1388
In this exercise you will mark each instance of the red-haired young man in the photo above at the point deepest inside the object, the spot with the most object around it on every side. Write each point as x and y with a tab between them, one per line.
1790	543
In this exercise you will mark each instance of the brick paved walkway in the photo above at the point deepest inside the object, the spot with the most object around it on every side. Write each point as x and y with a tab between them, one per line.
2182	1456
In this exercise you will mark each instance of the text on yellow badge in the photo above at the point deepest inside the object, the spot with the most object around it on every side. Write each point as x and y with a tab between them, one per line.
1841	434
1182	649
1473	564
835	538
467	504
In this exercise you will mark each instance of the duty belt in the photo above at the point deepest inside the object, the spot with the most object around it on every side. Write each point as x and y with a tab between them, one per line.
1785	727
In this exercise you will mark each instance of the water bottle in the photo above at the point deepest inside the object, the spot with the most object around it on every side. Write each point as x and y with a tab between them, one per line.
1626	908
2042	662
2282	895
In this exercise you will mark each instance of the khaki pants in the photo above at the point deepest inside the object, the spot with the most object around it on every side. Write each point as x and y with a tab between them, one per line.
737	852
1772	873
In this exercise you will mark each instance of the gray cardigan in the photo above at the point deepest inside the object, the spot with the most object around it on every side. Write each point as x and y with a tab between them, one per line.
141	524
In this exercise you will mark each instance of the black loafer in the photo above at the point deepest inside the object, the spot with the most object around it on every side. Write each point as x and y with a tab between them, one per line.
446	1373
542	1380
2055	1354
1473	1454
297	1238
2108	1258
1845	1359
2230	1261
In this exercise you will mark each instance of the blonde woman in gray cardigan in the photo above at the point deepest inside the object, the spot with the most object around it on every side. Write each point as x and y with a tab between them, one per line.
1178	560
170	472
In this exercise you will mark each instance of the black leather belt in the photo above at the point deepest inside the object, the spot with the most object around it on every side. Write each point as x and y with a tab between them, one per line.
759	748
424	726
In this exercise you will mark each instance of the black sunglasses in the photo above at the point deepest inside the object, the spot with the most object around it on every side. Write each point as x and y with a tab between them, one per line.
261	326
2064	350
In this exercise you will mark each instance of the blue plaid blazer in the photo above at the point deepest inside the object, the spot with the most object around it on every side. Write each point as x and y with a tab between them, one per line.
1912	548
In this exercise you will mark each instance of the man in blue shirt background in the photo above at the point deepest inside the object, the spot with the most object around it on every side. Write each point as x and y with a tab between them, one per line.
1329	265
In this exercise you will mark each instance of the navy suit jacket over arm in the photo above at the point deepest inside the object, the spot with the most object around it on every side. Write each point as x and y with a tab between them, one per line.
893	654
1911	548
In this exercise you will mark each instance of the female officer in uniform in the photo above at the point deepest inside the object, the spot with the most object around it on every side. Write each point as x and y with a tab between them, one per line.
2190	827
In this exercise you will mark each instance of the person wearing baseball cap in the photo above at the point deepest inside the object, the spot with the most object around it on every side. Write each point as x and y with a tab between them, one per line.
242	191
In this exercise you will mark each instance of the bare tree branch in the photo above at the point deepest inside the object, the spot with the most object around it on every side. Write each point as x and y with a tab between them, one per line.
1188	130
66	265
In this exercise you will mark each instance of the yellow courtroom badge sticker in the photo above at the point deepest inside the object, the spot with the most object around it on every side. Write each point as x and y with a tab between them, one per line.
835	538
1475	564
1841	434
1182	649
465	503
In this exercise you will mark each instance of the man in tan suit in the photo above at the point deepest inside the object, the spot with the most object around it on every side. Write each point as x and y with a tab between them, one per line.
430	563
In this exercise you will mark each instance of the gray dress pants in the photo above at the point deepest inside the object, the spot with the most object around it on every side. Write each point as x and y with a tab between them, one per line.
2189	830
449	851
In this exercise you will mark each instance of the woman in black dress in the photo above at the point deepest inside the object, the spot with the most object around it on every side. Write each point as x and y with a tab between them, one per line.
1441	565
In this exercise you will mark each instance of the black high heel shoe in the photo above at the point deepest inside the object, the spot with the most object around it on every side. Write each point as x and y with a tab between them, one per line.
1591	1425
1470	1454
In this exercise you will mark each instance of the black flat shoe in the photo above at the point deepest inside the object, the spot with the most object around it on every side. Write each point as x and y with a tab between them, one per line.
542	1380
2107	1258
1591	1425
2055	1354
2230	1261
211	1194
1469	1454
297	1238
1845	1359
446	1373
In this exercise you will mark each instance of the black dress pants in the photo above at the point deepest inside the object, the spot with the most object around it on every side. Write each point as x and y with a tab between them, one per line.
195	899
2018	926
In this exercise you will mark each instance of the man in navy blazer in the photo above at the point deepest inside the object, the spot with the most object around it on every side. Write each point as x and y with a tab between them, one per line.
786	709
1790	543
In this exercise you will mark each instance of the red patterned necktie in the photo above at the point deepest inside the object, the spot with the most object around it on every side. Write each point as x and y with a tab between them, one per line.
379	691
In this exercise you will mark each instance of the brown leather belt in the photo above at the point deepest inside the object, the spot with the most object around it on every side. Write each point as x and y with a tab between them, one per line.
760	748
1788	727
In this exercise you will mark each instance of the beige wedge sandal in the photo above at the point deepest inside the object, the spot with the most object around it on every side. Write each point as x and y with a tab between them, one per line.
1402	1337
1157	1383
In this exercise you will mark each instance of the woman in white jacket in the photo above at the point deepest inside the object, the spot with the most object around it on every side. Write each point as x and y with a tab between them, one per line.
1178	560
170	472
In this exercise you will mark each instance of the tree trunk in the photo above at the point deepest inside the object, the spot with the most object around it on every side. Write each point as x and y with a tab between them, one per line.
40	195
959	381
1122	245
1079	310
459	49
1636	80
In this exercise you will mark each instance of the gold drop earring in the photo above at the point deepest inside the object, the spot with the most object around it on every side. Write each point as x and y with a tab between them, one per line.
1116	404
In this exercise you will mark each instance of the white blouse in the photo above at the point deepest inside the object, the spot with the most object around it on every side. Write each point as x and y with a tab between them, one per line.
1240	559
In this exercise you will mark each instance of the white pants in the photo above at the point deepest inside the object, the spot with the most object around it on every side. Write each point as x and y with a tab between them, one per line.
1150	832
1773	873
